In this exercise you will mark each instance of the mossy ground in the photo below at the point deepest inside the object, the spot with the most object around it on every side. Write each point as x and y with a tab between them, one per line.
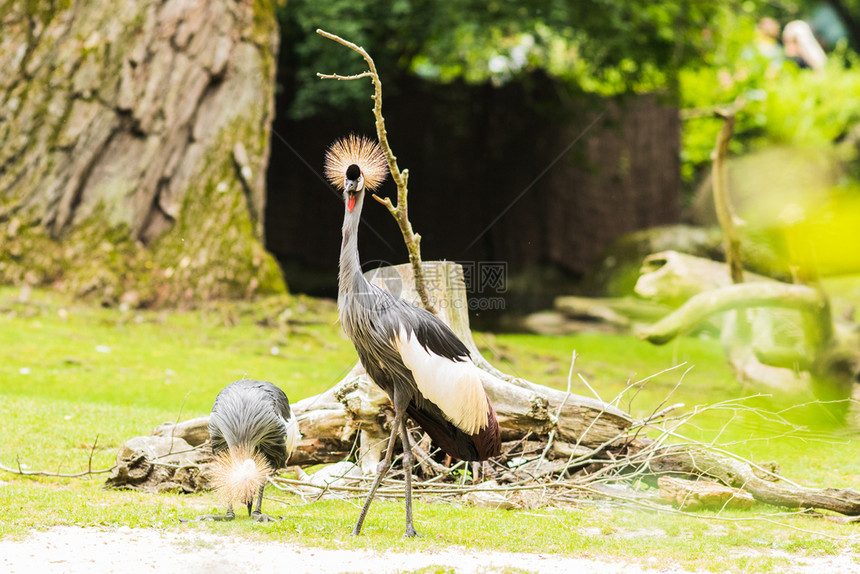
74	375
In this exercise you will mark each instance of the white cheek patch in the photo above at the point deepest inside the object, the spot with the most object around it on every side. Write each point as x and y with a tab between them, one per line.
455	387
293	435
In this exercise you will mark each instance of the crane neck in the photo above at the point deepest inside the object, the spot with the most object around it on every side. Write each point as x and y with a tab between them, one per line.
350	279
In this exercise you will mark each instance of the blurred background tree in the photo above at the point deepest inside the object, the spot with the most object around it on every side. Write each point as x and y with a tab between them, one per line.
537	133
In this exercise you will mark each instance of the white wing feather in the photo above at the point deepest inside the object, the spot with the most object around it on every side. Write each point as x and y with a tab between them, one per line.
455	387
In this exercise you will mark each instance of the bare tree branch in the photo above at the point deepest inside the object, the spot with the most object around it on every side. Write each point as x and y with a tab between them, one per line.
57	474
400	212
722	202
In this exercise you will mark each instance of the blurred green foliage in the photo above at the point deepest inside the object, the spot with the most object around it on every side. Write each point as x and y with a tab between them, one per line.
700	54
601	46
782	104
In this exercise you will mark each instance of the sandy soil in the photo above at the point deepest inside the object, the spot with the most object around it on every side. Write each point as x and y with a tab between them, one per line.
72	550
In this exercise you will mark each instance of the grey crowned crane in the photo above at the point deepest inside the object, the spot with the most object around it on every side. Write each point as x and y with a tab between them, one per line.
253	434
406	350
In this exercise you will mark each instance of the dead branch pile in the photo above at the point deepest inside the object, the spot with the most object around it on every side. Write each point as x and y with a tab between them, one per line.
533	471
537	471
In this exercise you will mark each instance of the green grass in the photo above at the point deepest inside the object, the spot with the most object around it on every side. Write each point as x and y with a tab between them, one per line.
72	374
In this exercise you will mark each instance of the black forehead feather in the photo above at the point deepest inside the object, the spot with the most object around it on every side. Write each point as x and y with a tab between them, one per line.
352	172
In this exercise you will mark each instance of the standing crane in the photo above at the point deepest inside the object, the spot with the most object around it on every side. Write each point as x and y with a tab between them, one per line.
253	434
406	350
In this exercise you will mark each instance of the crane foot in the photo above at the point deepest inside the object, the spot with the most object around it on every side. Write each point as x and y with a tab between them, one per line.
260	517
217	517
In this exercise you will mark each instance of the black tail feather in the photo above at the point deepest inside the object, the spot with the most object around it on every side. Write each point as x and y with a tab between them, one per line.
484	444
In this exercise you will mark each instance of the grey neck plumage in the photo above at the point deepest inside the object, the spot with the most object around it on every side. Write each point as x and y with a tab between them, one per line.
251	423
354	290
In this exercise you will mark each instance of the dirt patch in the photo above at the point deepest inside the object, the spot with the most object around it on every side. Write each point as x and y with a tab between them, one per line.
74	550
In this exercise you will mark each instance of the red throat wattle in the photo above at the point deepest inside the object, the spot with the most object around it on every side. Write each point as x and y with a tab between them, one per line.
350	203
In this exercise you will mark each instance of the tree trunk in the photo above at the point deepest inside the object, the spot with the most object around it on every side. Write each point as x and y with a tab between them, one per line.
136	139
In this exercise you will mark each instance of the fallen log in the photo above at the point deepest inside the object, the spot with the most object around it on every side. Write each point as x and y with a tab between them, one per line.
670	277
731	297
553	439
352	418
572	314
161	464
623	311
194	431
701	461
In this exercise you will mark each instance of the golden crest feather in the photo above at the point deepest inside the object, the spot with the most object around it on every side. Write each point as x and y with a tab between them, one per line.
238	474
361	151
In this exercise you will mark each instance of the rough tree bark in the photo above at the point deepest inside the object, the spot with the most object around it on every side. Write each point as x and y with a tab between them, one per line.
136	141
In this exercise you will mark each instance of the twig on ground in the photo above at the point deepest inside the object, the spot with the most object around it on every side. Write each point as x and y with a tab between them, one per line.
57	474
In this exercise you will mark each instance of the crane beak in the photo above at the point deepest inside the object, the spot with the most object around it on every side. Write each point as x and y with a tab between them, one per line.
351	188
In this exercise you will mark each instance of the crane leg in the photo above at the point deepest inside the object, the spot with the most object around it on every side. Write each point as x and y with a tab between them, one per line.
408	461
381	470
257	514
